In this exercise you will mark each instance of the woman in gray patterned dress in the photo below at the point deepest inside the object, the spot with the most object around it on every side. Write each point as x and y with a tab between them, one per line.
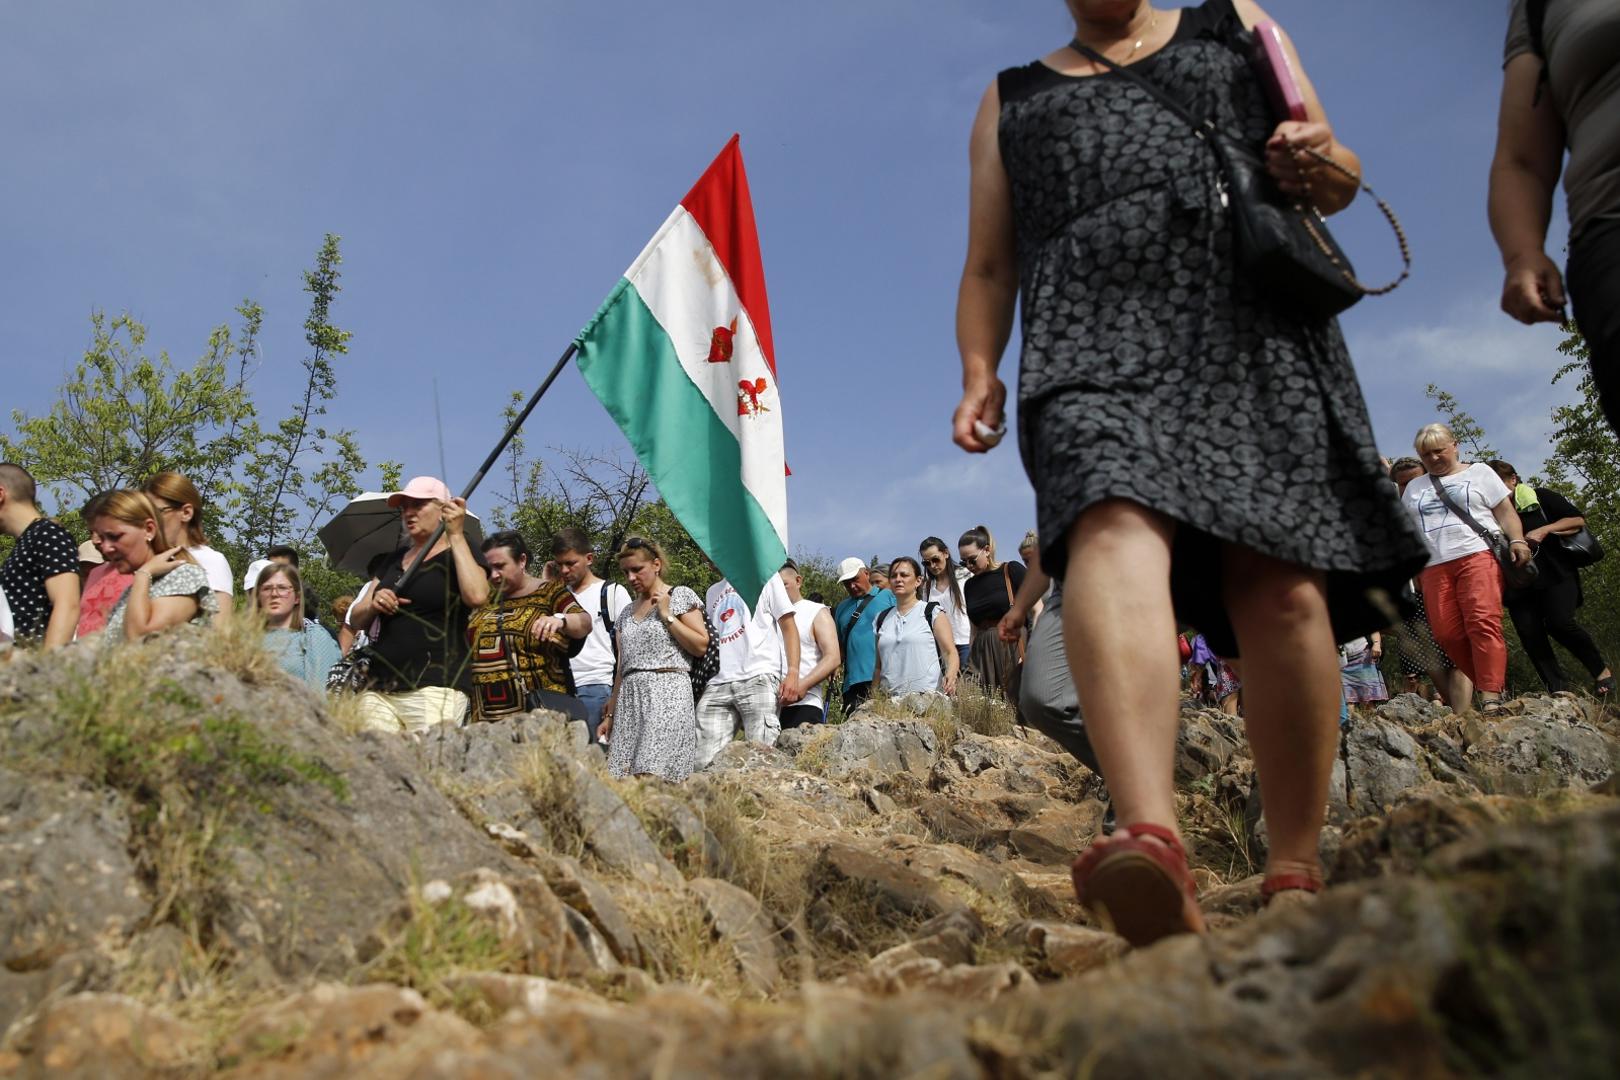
649	720
1198	450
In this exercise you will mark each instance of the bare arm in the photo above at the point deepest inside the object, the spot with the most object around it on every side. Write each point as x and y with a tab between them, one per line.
947	651
1330	190
1035	582
1524	171
226	604
1508	518
63	591
825	633
986	299
145	614
791	688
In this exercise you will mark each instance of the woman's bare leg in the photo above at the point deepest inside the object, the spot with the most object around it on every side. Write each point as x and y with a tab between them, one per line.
1120	635
1291	693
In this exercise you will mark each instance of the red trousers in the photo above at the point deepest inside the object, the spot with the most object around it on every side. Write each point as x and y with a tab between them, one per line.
1463	599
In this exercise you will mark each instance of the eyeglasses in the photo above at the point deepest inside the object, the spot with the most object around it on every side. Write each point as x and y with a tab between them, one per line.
275	590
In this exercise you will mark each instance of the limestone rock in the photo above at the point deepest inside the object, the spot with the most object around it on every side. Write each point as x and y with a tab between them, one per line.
104	1037
1063	950
66	879
739	921
879	745
590	898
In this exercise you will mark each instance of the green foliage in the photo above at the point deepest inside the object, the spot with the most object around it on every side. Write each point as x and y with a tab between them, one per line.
1470	435
193	771
123	415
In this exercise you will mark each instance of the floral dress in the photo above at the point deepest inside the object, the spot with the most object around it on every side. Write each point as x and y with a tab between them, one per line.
187	579
654	719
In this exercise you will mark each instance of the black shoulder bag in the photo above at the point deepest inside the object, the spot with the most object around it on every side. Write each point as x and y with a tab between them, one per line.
1517	577
1284	245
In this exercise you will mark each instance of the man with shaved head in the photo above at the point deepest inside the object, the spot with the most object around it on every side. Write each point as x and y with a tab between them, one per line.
41	575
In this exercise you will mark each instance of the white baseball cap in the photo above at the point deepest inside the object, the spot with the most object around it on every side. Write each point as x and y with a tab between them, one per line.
255	568
849	569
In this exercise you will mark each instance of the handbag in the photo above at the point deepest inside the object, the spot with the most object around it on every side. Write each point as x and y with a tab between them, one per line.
706	666
1517	577
1283	244
351	674
1579	549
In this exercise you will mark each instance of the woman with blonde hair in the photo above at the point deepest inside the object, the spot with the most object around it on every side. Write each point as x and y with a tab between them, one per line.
304	651
182	506
1457	506
167	587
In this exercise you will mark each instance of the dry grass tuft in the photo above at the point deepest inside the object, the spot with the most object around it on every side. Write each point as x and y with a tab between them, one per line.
982	712
236	644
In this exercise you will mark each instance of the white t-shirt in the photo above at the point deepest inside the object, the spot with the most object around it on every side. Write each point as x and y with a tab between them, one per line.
1475	489
220	578
961	628
750	641
594	664
804	617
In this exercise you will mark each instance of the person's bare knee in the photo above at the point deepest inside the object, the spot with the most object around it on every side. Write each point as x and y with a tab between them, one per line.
1281	593
1117	530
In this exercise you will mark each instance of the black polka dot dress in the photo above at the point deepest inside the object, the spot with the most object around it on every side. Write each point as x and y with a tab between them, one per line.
44	550
1153	370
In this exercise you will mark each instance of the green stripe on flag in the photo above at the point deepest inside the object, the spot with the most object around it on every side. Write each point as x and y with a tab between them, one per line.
692	457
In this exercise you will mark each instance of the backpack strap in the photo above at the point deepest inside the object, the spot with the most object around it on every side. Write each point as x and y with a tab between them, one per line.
607	620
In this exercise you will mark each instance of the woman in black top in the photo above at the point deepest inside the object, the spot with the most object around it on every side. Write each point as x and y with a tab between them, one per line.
1199	447
988	595
1546	609
419	659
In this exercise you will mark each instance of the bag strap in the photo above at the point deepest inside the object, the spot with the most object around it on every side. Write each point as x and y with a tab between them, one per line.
1219	147
1006	576
1468	519
607	620
855	617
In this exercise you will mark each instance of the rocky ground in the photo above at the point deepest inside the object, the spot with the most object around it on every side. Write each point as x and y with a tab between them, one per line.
204	871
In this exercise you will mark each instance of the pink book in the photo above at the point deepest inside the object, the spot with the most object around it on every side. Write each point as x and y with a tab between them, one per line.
1276	72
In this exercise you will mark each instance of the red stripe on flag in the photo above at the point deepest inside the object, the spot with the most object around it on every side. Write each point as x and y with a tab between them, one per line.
720	204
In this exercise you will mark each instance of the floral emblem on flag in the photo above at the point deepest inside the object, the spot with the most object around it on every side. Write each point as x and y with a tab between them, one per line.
720	344
748	394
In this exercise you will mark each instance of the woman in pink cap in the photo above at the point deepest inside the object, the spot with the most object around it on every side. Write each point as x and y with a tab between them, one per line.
419	660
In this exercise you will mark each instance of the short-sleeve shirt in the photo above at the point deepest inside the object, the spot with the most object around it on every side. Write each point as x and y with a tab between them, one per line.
909	650
1475	489
508	662
307	654
594	664
187	579
216	566
1550	507
1582	40
750	639
855	634
987	594
424	643
43	551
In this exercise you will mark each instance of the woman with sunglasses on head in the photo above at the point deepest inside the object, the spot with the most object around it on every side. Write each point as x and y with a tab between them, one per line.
167	588
650	719
181	505
304	650
1198	444
989	595
942	586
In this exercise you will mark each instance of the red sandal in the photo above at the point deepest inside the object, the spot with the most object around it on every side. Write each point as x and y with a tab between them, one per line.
1140	889
1282	883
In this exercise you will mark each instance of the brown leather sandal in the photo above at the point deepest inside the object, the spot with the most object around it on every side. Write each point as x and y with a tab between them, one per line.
1138	888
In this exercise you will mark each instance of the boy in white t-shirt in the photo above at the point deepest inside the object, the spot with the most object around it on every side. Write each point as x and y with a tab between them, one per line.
592	669
755	647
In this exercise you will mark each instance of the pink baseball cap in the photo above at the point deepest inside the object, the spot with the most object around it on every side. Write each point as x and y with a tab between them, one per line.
422	487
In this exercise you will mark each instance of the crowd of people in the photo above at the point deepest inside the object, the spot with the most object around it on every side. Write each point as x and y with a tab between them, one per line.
1193	429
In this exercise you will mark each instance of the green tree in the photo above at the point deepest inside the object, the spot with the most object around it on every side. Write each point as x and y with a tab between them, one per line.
282	501
1470	435
123	415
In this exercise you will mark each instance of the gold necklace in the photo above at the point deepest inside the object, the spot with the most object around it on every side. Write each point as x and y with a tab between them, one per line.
1153	20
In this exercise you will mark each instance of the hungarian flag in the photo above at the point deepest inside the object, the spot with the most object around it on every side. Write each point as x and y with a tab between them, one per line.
680	354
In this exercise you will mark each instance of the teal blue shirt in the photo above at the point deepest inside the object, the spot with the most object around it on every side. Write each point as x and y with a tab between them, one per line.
306	654
855	636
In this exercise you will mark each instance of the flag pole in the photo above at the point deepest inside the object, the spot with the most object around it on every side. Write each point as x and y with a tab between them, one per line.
489	462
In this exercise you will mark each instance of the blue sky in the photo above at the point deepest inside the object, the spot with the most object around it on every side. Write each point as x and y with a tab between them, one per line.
493	167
